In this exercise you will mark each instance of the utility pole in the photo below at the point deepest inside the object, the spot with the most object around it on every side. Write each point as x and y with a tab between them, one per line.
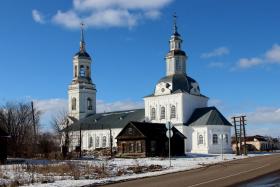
111	143
34	128
244	135
240	134
81	140
236	139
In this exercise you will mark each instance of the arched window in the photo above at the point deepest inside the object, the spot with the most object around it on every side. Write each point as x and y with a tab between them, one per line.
153	113
200	139
162	113
104	140
215	139
226	138
173	112
89	104
96	142
76	71
90	142
73	103
82	71
87	72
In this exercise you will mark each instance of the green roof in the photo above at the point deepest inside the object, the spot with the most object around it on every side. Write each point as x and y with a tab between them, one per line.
207	116
117	119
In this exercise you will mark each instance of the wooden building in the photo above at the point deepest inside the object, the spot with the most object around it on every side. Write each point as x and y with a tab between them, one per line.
3	145
142	139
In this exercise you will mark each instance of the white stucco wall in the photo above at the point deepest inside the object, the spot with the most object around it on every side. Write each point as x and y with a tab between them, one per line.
167	101
185	105
190	103
81	95
219	130
207	133
86	134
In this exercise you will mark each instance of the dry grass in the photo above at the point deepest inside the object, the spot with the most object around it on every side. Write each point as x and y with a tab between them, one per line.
75	170
143	169
1	173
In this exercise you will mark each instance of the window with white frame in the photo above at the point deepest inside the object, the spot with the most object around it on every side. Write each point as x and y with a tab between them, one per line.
226	137
200	139
173	112
162	112
215	139
104	140
153	113
97	141
90	142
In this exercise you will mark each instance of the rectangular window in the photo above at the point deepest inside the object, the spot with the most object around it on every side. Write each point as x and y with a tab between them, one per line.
153	113
139	147
162	113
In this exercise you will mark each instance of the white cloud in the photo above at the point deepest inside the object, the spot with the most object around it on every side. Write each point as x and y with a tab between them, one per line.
109	13
245	63
120	4
103	106
264	115
216	52
273	55
111	18
38	16
68	19
262	121
153	14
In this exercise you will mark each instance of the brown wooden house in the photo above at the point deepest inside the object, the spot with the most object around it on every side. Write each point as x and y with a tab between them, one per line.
142	139
3	145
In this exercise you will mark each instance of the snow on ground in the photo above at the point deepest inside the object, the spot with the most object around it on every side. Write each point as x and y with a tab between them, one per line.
113	167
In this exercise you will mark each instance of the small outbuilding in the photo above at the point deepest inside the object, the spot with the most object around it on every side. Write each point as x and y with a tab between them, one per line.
142	139
3	145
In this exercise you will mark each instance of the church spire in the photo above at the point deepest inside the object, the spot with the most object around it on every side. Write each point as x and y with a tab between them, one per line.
82	42
175	29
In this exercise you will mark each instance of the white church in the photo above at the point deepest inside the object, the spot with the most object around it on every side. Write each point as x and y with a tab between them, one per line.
176	99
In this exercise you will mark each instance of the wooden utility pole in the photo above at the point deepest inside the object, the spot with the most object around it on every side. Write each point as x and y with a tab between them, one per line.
236	139
244	135
240	134
34	129
111	143
80	140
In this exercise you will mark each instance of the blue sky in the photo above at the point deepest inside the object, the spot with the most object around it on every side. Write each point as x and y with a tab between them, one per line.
233	48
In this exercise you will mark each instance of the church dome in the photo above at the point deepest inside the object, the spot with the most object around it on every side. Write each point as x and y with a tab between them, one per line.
81	54
179	83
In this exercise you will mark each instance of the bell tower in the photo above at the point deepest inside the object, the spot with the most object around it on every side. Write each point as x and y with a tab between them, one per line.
176	57
81	91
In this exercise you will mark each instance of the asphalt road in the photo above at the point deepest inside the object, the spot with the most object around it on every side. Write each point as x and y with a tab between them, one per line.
223	174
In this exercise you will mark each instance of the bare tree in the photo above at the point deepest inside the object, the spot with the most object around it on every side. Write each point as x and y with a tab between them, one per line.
20	121
62	128
48	144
